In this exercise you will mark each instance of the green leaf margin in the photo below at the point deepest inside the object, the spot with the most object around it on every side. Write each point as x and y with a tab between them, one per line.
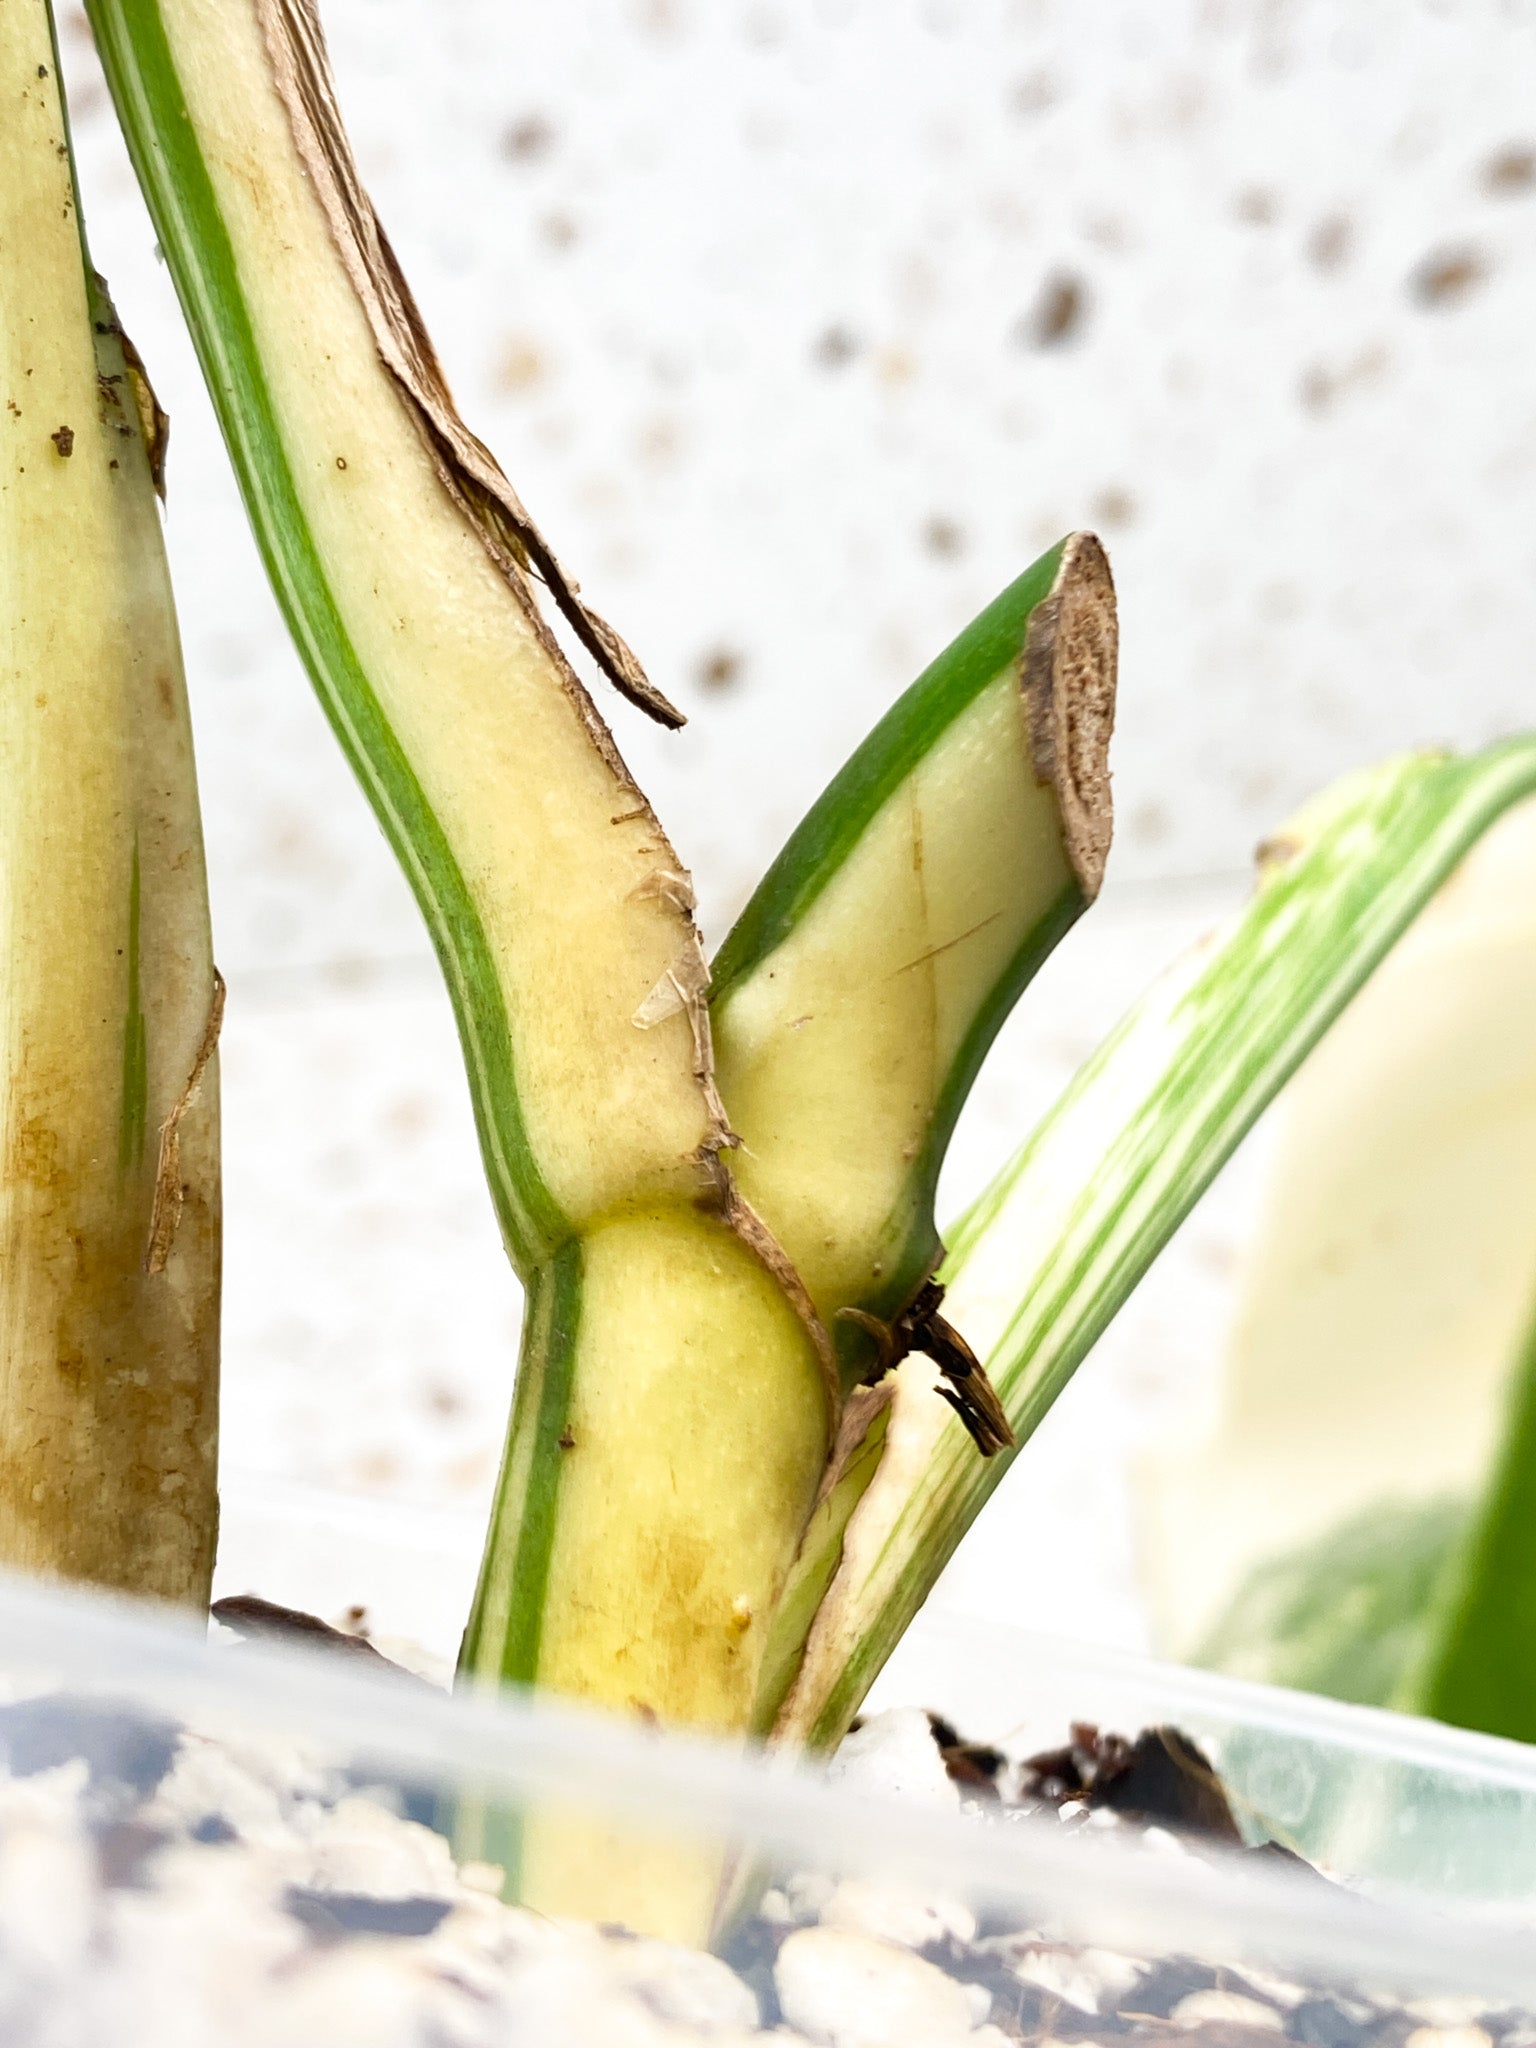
989	649
162	141
815	851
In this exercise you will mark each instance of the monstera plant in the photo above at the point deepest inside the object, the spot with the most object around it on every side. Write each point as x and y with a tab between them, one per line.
760	1397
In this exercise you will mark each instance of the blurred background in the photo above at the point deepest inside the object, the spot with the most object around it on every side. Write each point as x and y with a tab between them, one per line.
802	326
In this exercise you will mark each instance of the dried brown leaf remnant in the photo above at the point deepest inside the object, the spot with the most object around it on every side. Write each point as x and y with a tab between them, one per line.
962	1381
469	472
685	986
765	1247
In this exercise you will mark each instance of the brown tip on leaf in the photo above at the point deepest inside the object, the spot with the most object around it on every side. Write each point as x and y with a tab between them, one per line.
615	658
1071	654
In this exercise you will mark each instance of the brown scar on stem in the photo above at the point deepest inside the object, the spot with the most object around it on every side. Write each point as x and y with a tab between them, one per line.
760	1240
944	945
154	420
165	1210
688	978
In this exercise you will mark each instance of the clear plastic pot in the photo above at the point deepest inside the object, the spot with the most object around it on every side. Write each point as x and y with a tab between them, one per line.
1429	1835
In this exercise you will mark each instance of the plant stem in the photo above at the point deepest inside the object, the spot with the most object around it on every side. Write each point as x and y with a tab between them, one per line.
668	1435
109	1189
667	1439
664	1326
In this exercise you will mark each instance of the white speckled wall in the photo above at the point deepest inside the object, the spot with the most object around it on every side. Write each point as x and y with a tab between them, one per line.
802	327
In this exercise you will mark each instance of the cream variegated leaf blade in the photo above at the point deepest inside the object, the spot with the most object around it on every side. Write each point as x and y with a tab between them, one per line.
1355	1517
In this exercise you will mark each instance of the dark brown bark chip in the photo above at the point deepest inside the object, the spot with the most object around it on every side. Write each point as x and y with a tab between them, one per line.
1162	1779
974	1767
256	1620
331	1915
1077	1769
1168	1780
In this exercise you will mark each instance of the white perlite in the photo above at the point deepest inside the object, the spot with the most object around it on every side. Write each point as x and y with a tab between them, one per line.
847	1990
1089	1979
896	1913
1227	2008
206	1939
683	1986
168	1888
894	1755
